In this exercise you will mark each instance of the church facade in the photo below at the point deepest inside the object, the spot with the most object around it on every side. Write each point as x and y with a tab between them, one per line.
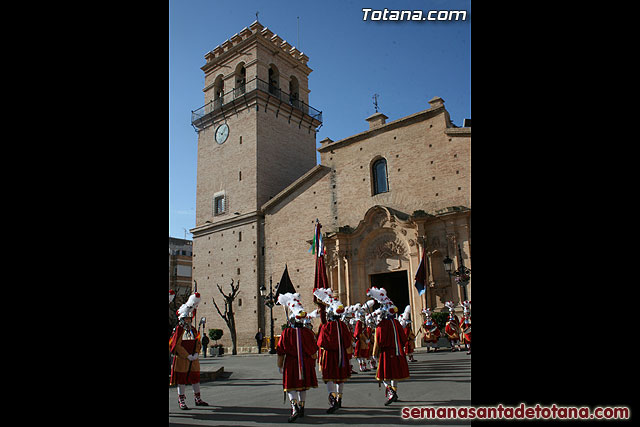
383	196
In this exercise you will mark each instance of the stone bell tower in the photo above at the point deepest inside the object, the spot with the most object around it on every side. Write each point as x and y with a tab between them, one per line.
256	135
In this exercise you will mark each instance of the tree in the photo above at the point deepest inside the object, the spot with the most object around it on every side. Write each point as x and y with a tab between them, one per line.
229	316
215	334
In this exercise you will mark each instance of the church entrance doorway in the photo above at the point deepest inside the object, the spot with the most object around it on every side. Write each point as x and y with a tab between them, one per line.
396	285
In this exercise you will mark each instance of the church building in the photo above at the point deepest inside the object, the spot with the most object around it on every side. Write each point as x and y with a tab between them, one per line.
383	196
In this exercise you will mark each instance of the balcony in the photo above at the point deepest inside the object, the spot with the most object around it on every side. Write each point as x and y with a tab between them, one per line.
202	117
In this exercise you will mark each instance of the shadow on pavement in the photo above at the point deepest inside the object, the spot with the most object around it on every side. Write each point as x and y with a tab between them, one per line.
236	415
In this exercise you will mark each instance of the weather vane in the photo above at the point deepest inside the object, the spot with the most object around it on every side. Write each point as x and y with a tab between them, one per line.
375	101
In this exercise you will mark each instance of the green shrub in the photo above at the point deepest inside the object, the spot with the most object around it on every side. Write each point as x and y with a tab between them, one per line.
215	334
440	319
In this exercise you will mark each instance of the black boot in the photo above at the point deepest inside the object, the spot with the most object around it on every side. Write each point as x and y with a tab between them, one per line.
199	401
181	402
301	411
334	404
391	396
295	412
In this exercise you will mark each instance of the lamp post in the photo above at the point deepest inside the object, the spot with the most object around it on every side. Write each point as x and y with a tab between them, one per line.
203	323
269	301
462	274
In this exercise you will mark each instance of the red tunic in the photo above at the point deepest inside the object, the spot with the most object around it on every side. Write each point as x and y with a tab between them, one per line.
431	336
181	344
410	345
390	342
298	373
450	331
334	340
463	326
360	336
369	333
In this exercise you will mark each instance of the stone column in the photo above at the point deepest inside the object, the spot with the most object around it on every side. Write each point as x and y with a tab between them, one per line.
346	279
340	280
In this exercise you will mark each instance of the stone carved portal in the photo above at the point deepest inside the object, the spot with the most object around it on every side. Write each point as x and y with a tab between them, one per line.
386	252
386	246
383	242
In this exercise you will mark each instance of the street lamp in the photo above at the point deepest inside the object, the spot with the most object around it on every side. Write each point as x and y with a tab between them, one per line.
448	264
462	274
269	301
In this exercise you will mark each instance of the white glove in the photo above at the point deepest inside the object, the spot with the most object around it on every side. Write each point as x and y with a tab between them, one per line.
193	357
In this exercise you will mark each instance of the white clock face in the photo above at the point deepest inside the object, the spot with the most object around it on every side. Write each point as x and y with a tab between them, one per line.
222	133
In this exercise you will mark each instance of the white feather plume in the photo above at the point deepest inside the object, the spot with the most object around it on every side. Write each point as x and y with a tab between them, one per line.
324	294
292	302
184	311
450	306
378	294
283	299
194	300
407	313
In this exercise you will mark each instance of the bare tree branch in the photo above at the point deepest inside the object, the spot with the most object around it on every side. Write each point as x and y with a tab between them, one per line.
224	317
228	315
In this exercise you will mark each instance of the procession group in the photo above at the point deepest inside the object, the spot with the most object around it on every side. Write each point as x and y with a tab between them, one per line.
380	339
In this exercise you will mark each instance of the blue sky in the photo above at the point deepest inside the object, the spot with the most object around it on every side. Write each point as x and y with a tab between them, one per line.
406	63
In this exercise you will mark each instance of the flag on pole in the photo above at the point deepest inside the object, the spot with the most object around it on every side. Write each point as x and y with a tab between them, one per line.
317	244
285	284
421	274
320	280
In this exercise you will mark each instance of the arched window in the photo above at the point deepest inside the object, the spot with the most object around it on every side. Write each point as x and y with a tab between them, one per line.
218	92
379	176
241	79
294	92
274	80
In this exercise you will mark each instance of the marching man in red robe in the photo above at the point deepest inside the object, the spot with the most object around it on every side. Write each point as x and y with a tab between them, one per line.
361	339
431	331
465	324
452	327
297	352
185	345
405	321
370	332
389	344
334	340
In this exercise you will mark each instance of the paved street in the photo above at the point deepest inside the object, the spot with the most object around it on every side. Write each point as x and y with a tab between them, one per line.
250	393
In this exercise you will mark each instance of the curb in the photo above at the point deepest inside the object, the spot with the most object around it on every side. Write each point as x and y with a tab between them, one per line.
207	376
